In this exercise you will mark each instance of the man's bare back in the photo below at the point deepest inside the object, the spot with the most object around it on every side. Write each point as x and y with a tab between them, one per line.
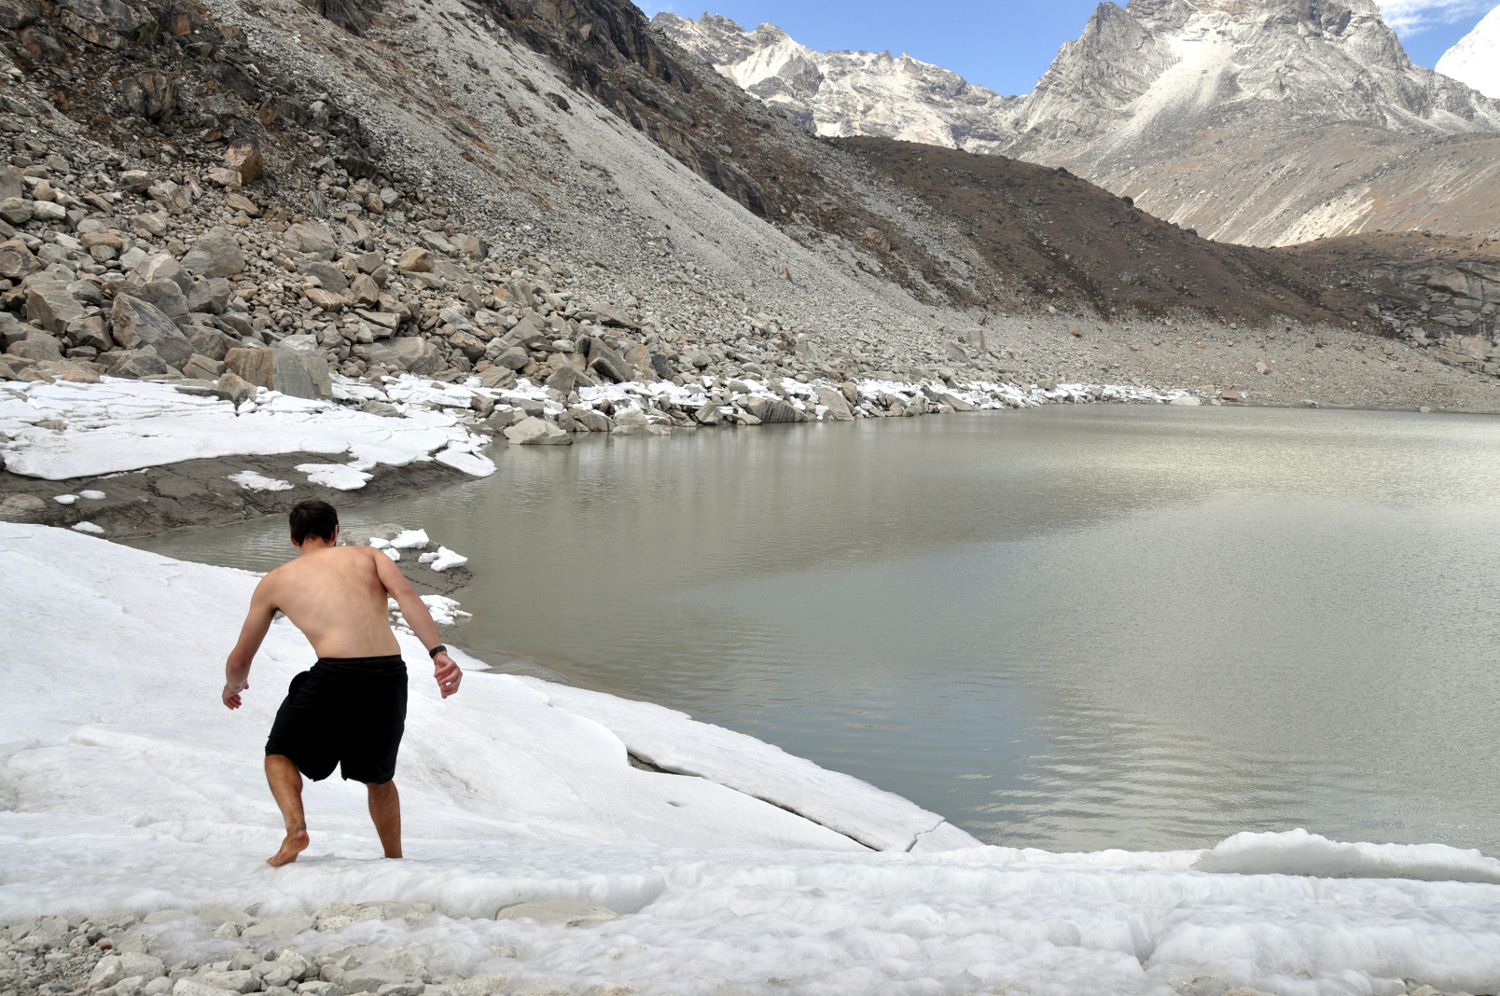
338	597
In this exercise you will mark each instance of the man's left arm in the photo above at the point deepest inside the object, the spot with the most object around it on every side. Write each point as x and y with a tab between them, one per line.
420	620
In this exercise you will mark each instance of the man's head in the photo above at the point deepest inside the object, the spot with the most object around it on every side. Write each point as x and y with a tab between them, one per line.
314	520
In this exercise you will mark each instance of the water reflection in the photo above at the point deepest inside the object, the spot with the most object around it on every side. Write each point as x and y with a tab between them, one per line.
1077	628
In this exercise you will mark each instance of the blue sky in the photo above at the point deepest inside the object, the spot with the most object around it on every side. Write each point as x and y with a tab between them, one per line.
1006	44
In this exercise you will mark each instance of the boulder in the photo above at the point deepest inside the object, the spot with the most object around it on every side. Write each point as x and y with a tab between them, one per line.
136	323
311	237
415	260
365	290
22	508
216	254
569	378
514	358
234	389
208	342
12	330
773	410
49	305
708	415
48	211
38	346
15	211
661	365
410	353
136	363
331	277
164	295
327	300
838	406
89	332
210	296
607	362
161	266
245	159
11	182
170	195
16	261
536	431
299	375
200	367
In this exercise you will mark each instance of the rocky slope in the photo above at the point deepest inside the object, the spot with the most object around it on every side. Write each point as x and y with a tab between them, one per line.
1312	121
555	192
1475	60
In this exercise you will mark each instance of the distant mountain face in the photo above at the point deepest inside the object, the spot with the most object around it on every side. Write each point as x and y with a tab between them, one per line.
1475	60
1256	121
844	94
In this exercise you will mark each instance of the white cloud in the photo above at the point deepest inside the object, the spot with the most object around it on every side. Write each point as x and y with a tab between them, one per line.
1413	16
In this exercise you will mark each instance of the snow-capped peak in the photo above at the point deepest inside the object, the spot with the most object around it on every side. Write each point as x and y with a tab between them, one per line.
1475	60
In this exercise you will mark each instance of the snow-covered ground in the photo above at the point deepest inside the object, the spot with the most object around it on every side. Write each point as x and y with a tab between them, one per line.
65	430
125	785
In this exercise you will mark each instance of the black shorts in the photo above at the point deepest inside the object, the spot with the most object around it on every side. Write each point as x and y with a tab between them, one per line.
348	712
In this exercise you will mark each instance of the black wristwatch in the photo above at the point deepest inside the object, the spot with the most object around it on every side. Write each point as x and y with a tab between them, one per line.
439	649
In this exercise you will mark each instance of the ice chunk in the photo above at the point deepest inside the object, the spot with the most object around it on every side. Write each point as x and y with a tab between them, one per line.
251	481
88	527
411	539
65	499
92	495
338	476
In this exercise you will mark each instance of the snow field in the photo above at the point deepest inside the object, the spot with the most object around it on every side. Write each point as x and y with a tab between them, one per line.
125	785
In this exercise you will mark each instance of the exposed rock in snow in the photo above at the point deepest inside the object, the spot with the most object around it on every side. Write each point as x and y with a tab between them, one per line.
1475	60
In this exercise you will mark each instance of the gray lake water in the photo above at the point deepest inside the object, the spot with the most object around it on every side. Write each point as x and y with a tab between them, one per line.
1071	628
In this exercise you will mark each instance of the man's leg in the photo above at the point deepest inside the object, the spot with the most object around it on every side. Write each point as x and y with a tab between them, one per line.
385	810
286	786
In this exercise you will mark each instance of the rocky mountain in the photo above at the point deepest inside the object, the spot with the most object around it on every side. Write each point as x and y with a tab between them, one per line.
547	189
842	94
1310	119
1475	60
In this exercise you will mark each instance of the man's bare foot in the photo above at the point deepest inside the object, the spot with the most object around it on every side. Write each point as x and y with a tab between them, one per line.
295	843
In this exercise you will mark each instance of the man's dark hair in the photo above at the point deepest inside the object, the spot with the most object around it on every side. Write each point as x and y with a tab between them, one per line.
313	518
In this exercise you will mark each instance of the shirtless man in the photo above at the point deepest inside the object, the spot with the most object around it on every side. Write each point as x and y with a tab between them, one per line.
349	710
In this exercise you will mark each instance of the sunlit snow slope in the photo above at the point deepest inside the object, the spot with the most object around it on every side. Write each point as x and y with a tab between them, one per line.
1475	60
124	784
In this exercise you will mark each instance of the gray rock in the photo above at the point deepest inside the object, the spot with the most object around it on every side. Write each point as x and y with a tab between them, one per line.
607	362
298	375
161	266
304	344
146	966
192	987
12	330
773	410
108	972
201	367
166	295
513	358
136	323
410	353
330	276
662	366
571	912
11	182
208	342
708	415
38	346
311	237
16	261
136	363
838	406
49	305
569	378
90	332
591	420
15	211
48	211
239	982
535	431
234	389
23	508
215	254
150	95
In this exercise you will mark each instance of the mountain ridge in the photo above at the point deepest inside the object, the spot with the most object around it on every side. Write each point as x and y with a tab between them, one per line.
1153	94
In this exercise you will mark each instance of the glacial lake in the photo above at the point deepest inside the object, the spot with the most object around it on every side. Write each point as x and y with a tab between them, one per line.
1072	628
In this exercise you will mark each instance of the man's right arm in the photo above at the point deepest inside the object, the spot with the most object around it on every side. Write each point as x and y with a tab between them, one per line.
252	633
